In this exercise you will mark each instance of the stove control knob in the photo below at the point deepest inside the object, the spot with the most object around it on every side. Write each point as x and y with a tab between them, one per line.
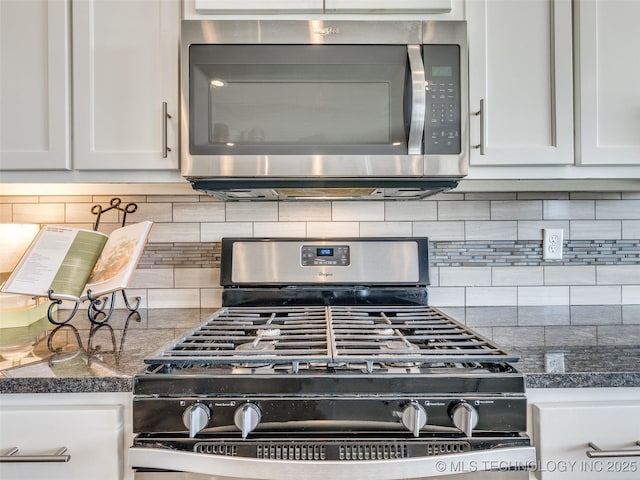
464	417
247	418
414	417
196	417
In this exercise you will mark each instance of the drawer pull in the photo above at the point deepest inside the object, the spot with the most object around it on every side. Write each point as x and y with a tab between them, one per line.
597	452
9	455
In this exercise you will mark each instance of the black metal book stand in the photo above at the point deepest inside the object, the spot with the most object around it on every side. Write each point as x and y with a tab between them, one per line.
100	308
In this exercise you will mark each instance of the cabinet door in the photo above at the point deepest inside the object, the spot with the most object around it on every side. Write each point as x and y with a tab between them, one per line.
387	6
93	436
520	72
608	75
125	66
34	85
563	430
248	6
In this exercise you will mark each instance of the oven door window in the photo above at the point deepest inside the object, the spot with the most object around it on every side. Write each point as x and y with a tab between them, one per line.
298	99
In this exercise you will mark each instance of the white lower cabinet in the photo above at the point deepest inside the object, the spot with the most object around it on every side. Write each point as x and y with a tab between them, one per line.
94	428
565	433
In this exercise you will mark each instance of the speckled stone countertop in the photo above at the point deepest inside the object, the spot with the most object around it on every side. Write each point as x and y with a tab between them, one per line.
77	358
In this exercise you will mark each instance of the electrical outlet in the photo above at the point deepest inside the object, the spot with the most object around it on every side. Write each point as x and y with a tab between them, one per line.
552	245
554	362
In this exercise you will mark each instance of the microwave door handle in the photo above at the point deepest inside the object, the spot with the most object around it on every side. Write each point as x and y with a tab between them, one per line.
418	100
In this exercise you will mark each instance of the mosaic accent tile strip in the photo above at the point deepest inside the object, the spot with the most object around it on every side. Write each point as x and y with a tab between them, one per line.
520	253
505	253
182	255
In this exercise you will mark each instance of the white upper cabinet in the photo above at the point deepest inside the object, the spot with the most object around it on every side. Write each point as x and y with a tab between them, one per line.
387	6
34	85
607	79
125	71
520	68
320	6
268	6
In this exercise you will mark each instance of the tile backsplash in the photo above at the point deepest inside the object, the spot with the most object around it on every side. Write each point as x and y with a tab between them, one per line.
486	253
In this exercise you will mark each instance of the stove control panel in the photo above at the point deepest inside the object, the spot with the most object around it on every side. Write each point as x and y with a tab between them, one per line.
325	255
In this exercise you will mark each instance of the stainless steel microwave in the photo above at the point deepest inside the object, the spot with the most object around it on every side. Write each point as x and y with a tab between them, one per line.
292	109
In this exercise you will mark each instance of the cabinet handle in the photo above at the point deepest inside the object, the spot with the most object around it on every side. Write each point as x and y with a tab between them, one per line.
481	114
165	117
597	452
9	455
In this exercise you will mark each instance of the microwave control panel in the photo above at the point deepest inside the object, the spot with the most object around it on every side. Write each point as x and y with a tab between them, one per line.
443	122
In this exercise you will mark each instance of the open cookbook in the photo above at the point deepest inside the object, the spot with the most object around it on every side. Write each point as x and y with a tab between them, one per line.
74	264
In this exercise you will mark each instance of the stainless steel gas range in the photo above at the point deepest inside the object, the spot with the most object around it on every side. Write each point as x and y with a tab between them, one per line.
326	361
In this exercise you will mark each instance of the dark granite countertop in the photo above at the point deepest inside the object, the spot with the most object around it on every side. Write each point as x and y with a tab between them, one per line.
77	357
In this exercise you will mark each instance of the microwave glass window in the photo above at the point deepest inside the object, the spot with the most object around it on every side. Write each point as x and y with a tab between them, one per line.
319	98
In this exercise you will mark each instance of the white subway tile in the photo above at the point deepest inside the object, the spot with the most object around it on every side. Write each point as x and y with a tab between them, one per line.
631	295
541	296
385	229
45	213
197	277
596	295
618	335
490	196
214	232
6	213
174	298
568	336
153	278
569	209
157	212
467	210
492	316
533	229
618	274
498	230
491	296
516	210
175	198
465	276
439	231
594	195
544	315
419	210
132	297
631	229
346	211
570	275
81	213
279	229
252	211
175	232
618	209
446	296
596	230
211	298
198	212
333	229
519	336
304	211
513	276
543	195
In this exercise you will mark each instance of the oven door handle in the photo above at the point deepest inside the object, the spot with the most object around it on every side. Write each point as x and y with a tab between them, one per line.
498	459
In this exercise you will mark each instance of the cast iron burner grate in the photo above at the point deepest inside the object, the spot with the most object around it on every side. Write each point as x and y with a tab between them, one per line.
336	336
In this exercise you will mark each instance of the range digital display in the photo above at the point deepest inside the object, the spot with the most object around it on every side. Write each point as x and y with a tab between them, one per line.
324	252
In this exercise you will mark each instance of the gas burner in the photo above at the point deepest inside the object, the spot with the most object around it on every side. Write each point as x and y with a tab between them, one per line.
399	346
259	348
